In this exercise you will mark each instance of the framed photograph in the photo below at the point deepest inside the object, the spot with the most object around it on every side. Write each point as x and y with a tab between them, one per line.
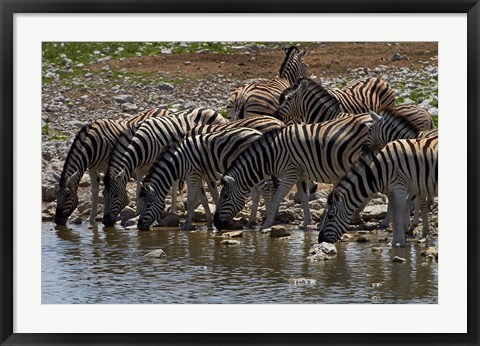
113	113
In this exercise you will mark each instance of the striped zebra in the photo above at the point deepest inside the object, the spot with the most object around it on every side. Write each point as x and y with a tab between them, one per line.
91	150
137	154
193	159
262	98
402	168
308	102
400	122
294	155
262	124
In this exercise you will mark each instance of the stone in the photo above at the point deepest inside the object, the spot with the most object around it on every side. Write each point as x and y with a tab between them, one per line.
430	253
123	99
229	242
398	259
377	249
398	57
232	234
302	281
76	221
362	239
159	253
129	107
376	212
285	216
165	87
369	226
346	237
187	62
318	257
126	214
279	231
170	220
324	247
48	193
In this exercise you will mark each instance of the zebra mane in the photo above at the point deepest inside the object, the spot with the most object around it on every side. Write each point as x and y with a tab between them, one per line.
396	115
288	53
309	82
362	162
79	137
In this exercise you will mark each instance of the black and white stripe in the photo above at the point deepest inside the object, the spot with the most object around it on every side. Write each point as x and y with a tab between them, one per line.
195	158
256	99
403	168
308	102
296	154
91	150
140	152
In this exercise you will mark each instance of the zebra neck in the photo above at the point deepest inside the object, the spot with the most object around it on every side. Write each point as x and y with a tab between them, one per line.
324	107
165	171
359	184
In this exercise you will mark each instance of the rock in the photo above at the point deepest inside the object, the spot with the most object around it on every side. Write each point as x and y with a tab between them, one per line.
318	257
166	51
77	220
430	253
130	223
302	281
397	259
286	238
232	234
123	98
165	87
421	241
230	242
129	107
324	247
265	231
376	212
346	237
433	111
187	62
170	220
285	216
369	226
362	239
279	231
156	254
398	57
48	193
125	215
377	249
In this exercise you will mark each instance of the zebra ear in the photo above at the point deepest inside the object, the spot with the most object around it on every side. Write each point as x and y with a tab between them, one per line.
72	178
56	177
303	53
229	179
219	175
375	116
120	175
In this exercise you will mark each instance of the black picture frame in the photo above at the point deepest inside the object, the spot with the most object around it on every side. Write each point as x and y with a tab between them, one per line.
9	8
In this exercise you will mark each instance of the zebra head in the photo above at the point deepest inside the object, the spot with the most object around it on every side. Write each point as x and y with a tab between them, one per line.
230	203
115	196
290	110
235	104
67	198
293	66
376	134
334	221
152	206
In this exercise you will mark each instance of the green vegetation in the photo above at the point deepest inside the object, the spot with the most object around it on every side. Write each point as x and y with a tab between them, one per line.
51	134
399	100
435	120
223	112
434	103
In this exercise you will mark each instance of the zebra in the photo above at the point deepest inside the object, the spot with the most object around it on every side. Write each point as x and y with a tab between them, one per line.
140	152
400	122
91	150
262	98
193	159
262	124
308	102
321	152
403	167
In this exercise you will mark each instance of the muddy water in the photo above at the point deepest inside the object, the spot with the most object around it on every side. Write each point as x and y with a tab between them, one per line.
85	264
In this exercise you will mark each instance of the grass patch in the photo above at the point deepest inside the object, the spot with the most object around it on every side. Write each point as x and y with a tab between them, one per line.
223	112
415	95
51	134
399	100
434	103
435	120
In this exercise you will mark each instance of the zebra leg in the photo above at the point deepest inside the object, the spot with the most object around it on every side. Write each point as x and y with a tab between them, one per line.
212	187
399	198
204	200
303	193
282	190
95	182
173	207
385	222
193	186
424	210
416	216
252	220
